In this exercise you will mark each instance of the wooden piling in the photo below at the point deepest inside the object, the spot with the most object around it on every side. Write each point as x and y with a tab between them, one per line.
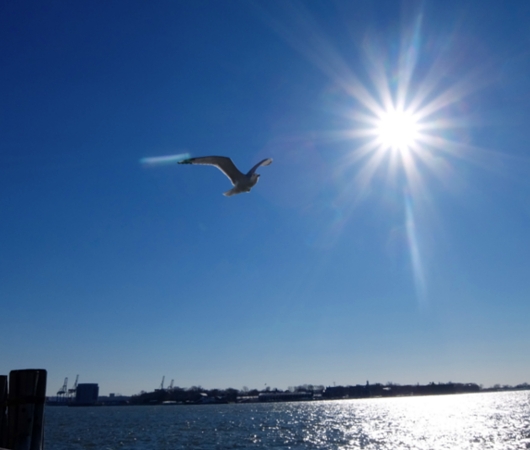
25	411
3	411
37	437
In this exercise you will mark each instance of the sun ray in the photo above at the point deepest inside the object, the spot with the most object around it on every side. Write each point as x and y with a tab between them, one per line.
310	40
418	268
367	151
367	172
376	71
407	62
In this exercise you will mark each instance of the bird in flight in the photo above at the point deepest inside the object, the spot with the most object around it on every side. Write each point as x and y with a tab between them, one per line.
241	182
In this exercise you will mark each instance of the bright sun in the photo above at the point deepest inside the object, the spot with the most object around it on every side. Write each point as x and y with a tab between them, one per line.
397	130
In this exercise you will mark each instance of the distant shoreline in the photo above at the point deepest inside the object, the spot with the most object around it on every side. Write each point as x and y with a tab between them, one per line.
200	396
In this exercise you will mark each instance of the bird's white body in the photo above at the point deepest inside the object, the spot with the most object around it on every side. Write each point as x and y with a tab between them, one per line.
241	182
244	184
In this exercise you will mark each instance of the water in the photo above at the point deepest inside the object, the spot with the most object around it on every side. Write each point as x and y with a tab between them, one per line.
471	421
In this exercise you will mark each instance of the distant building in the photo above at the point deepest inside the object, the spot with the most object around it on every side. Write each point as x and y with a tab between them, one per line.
86	394
113	400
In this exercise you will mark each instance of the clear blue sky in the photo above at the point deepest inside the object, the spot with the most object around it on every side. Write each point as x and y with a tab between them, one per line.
347	262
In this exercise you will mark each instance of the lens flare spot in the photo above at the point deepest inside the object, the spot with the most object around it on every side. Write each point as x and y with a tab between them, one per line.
163	160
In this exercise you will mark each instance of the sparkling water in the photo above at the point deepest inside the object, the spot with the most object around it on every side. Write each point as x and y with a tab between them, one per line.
469	421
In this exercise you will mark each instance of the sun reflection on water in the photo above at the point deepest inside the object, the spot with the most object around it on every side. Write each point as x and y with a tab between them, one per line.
466	422
498	421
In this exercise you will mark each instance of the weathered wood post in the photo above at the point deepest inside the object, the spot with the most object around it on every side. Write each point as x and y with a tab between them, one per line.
3	411
25	411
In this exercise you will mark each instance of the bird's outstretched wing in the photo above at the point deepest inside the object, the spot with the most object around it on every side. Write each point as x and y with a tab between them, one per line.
265	162
223	163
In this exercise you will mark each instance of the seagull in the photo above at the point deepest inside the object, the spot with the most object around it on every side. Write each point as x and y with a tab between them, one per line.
241	182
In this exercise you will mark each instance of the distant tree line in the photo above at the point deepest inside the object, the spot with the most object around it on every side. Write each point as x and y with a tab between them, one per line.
395	390
194	394
197	394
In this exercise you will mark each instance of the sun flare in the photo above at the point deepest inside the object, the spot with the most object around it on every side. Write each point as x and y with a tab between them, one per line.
397	130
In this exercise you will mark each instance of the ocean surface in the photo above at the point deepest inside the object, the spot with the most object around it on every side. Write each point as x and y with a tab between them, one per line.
469	421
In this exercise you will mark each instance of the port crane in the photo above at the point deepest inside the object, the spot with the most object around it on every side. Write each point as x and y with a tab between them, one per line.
73	390
64	389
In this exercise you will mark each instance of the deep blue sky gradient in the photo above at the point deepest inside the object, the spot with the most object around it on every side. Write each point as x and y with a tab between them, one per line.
124	273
